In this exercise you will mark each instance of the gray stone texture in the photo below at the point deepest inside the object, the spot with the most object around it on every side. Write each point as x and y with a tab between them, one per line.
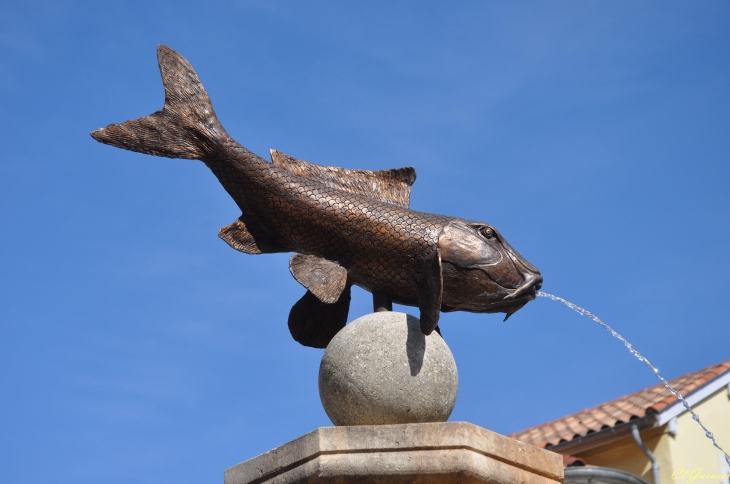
381	369
450	452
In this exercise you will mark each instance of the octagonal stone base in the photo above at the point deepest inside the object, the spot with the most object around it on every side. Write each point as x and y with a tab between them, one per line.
448	452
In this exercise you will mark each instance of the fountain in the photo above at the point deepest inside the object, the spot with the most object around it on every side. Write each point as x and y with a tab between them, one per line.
387	380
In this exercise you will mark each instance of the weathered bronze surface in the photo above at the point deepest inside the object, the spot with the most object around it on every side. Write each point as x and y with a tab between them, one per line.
346	226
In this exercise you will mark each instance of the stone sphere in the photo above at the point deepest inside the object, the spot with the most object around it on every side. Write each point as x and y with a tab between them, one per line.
380	369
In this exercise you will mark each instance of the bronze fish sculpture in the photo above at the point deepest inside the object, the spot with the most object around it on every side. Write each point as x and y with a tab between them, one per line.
347	227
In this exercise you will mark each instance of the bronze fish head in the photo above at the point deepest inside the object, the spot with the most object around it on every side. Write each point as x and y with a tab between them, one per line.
482	273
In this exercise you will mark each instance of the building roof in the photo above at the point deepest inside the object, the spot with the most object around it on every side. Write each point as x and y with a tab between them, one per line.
643	403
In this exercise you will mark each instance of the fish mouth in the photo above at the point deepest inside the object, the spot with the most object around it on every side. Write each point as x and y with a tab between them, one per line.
475	290
532	284
512	303
525	293
509	304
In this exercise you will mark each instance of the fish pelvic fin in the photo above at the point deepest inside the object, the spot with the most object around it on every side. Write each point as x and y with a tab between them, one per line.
186	127
313	323
390	186
323	278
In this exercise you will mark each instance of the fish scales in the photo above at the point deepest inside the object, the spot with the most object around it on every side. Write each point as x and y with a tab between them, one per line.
311	218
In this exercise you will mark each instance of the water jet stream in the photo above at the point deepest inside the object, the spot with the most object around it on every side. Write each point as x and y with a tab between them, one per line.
588	314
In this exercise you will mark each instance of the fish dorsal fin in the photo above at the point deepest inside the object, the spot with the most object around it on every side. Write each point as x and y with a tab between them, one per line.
323	278
390	186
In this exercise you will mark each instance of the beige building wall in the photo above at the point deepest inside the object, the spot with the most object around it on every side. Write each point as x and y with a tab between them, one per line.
691	449
625	455
687	451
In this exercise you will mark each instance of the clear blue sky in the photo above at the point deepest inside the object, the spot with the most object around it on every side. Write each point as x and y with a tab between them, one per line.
137	347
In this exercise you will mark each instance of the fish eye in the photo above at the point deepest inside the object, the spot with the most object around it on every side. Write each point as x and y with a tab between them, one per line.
487	232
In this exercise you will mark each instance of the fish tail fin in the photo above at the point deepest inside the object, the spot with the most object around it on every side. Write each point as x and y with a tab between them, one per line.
186	127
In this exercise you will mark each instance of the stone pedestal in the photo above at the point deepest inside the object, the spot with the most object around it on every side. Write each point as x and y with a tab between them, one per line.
448	452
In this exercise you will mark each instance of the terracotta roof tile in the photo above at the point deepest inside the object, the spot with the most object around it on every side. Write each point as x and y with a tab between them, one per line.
621	410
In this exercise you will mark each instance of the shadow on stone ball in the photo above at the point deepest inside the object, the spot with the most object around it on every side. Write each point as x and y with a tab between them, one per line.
415	346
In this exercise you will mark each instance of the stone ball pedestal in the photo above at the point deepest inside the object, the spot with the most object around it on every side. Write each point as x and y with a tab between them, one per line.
381	369
389	390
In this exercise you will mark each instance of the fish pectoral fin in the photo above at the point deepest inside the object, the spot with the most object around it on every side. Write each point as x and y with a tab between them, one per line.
313	323
237	236
390	186
323	278
430	291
